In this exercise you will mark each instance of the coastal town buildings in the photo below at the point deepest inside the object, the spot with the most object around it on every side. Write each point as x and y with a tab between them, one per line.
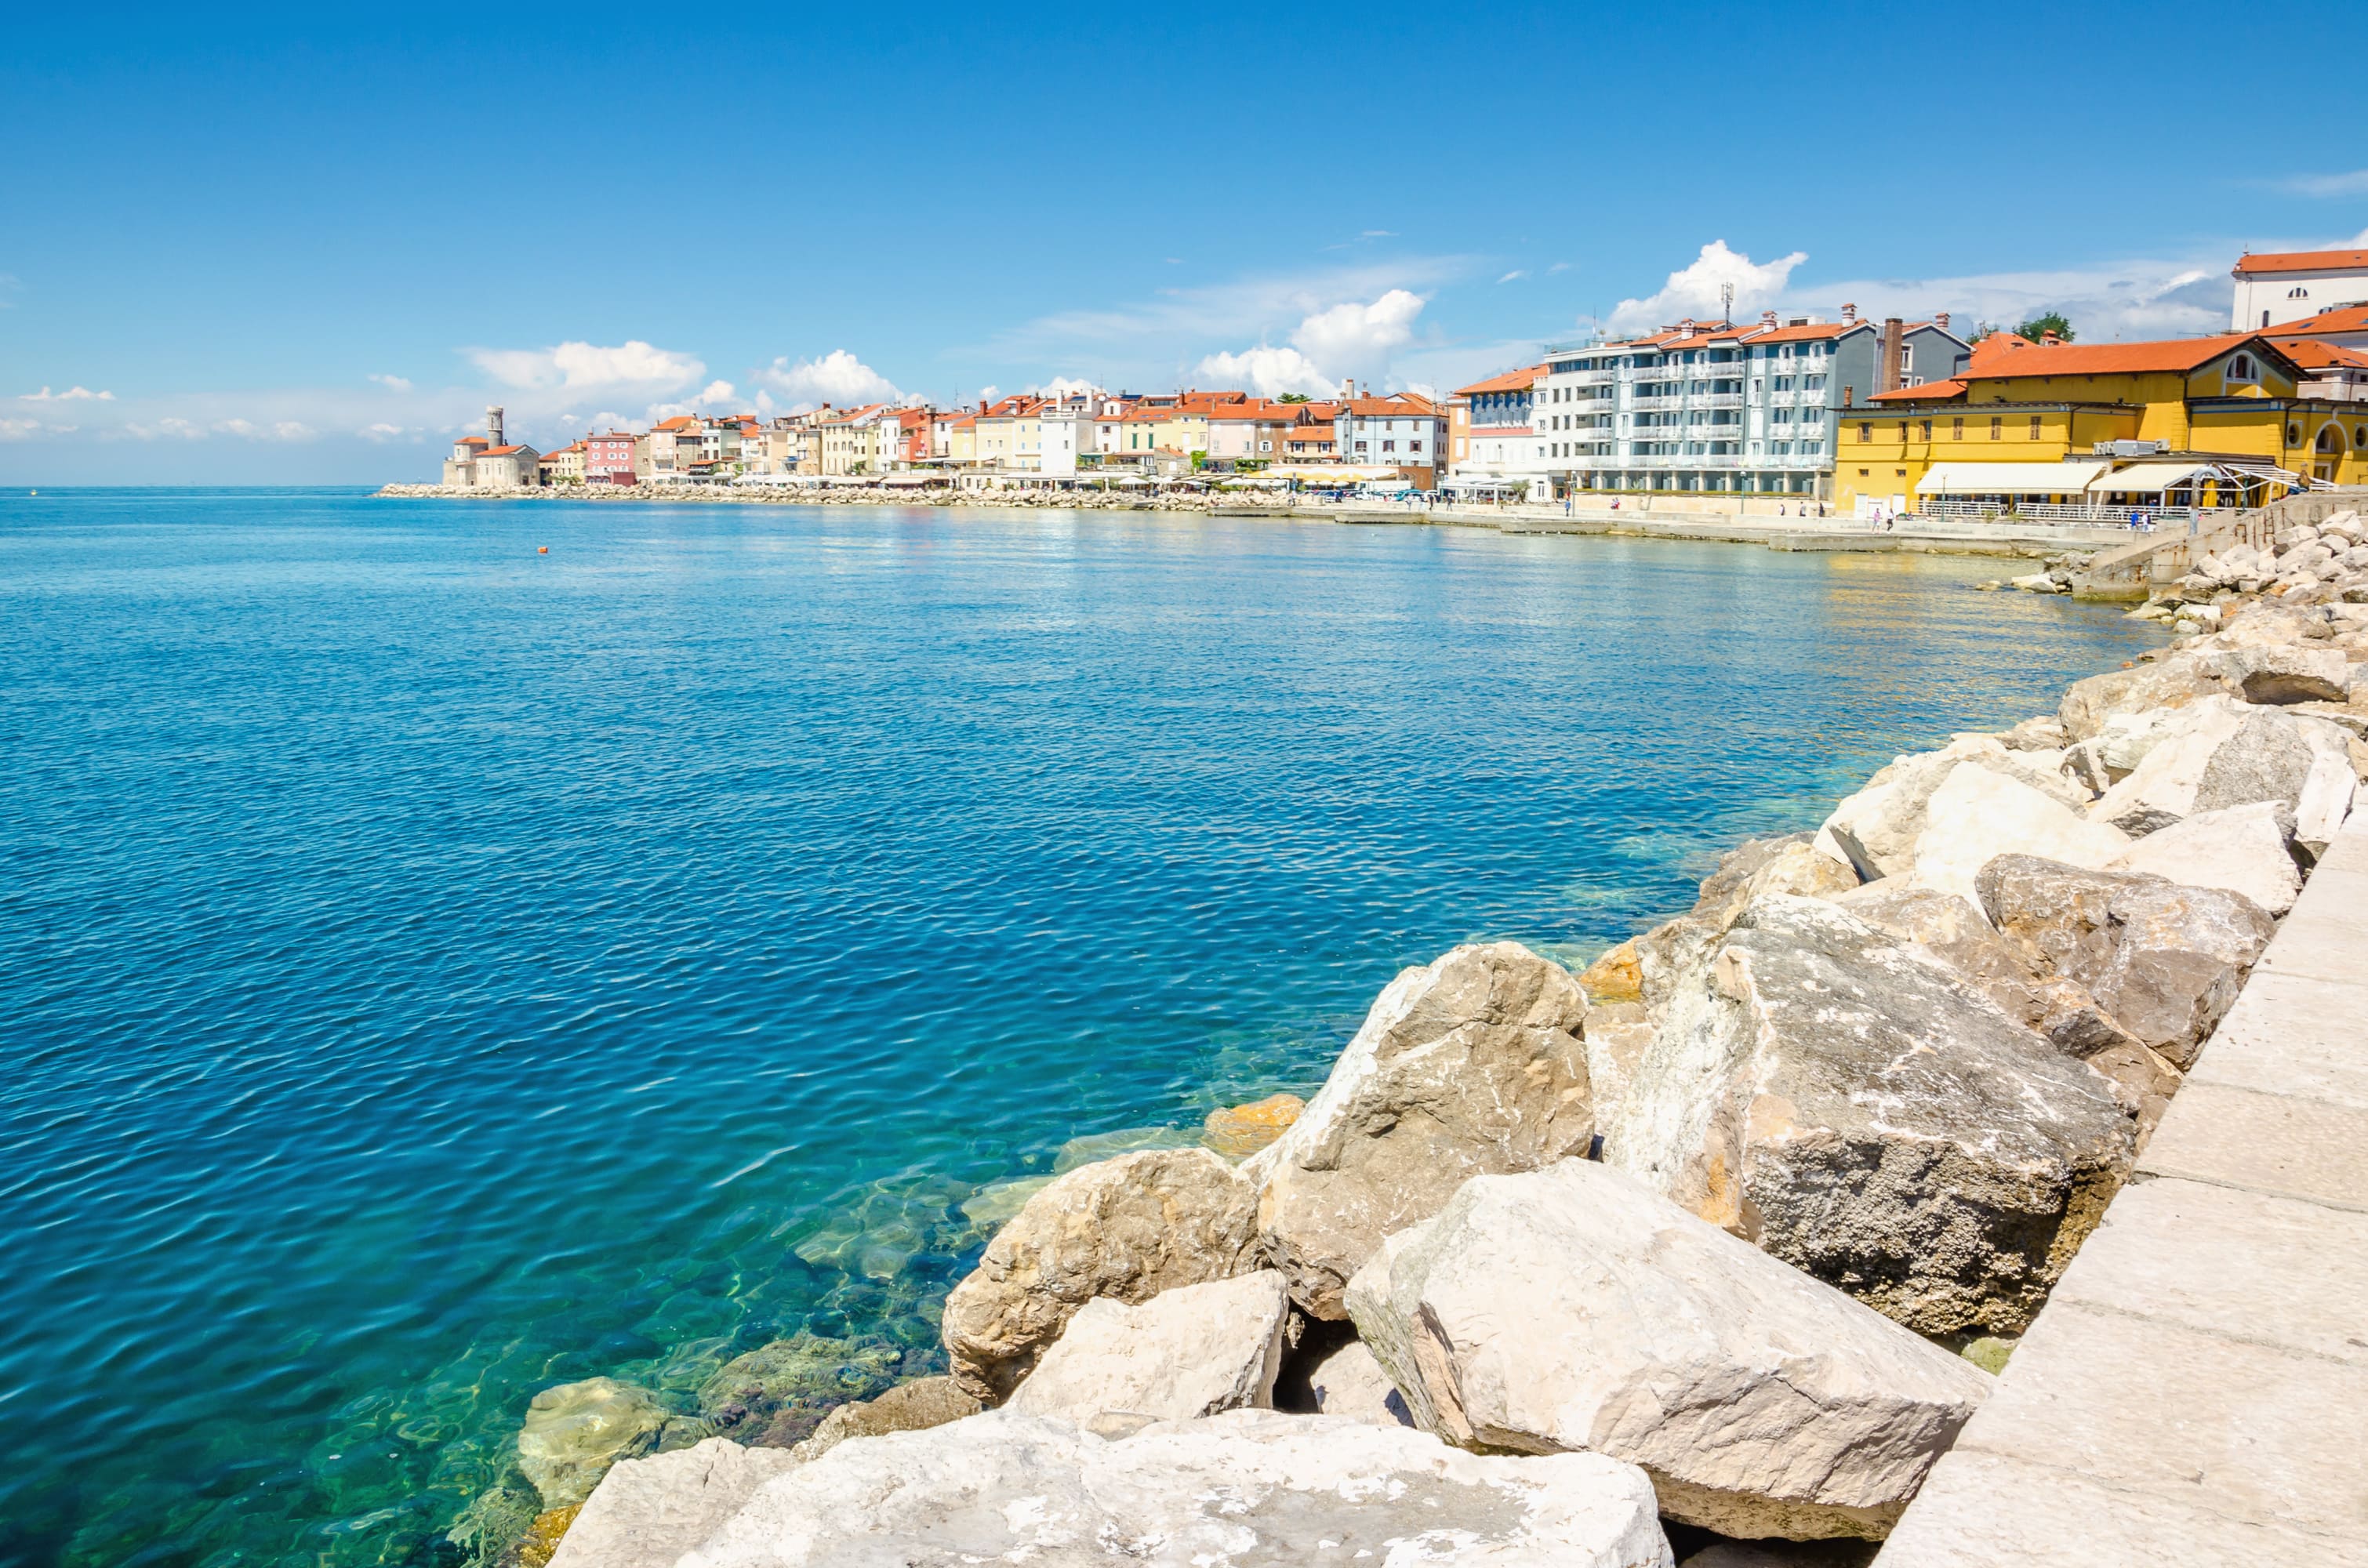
1489	427
1405	431
609	457
2196	421
491	461
1712	408
2286	286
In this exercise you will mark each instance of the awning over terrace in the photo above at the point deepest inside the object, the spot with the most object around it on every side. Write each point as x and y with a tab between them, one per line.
2009	479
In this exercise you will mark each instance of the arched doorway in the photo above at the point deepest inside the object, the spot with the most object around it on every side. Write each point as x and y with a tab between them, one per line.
2327	451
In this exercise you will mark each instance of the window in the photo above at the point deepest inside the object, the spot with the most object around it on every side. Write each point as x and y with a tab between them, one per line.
1360	445
2034	427
1928	429
1903	432
1997	428
2294	435
1956	429
1414	446
1866	432
1389	446
2297	293
2242	369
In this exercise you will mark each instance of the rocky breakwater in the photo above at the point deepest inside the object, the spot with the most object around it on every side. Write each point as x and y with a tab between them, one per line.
1722	1237
833	496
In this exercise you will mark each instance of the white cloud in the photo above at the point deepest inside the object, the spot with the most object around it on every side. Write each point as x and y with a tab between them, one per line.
392	383
382	433
1559	266
2354	183
714	396
839	377
2137	299
990	391
573	365
72	394
278	430
1515	276
1065	386
171	427
1268	371
19	429
1694	289
1346	339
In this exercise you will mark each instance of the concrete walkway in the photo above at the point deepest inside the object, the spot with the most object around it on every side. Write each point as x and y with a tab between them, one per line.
2196	1390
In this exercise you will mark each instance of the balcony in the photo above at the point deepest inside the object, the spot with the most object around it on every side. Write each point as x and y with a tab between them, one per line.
1588	378
1716	400
1670	401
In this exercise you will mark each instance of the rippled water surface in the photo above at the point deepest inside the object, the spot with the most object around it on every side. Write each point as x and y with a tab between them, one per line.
431	969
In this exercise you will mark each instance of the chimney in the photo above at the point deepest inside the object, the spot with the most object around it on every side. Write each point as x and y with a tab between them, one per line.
1849	312
1686	328
2049	339
494	426
1887	374
1941	321
1767	318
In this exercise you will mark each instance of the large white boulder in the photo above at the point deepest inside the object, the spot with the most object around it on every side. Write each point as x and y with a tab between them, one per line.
2283	673
1127	1228
1247	1487
1467	1065
1977	814
1877	828
1575	1310
2239	848
1852	1106
1185	1353
648	1512
2231	755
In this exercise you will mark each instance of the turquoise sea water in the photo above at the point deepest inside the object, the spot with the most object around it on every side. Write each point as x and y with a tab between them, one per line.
431	969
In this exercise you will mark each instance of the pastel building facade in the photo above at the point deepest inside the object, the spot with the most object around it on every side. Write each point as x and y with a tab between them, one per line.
2274	288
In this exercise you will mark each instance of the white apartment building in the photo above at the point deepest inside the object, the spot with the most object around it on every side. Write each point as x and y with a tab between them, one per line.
1716	408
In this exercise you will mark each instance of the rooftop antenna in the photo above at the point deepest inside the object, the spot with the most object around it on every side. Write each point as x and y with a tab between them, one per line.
1727	304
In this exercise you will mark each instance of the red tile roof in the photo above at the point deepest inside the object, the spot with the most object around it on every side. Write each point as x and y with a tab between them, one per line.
1930	392
501	452
2312	355
1510	381
2343	318
1397	407
2300	261
2014	356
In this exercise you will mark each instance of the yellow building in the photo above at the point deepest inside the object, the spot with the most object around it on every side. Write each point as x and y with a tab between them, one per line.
2032	423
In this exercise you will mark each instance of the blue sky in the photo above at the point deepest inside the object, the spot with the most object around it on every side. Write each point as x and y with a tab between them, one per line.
294	248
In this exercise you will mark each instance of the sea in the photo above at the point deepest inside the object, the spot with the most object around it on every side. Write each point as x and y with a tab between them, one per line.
450	948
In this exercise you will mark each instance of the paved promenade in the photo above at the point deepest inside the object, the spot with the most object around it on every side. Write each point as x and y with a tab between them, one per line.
2196	1390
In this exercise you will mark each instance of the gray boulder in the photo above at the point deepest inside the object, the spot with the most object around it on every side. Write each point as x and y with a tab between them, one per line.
2282	673
1953	929
1247	1487
2173	681
1127	1228
1855	1108
650	1511
914	1406
574	1432
2241	849
1349	1383
1467	1065
2234	756
1184	1354
1576	1311
2164	960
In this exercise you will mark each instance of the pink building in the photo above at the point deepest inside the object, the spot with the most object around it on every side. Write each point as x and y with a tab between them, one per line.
608	459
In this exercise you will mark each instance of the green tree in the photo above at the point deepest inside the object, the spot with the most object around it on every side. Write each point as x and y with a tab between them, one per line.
2048	321
1292	397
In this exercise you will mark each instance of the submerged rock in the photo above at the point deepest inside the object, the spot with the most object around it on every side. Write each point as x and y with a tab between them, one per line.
574	1432
1239	1131
1857	1111
1472	1064
1575	1310
775	1395
1185	1353
1128	1228
1248	1486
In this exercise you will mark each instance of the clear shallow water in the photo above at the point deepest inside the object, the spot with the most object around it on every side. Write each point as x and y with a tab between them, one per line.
430	970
